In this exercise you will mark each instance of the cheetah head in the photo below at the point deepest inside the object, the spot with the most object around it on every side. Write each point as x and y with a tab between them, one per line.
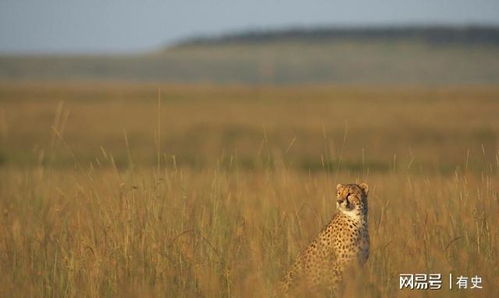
352	198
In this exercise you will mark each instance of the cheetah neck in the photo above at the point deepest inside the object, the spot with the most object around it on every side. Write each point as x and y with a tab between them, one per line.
355	215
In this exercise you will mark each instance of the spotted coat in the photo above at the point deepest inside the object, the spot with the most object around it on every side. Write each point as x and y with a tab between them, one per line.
342	243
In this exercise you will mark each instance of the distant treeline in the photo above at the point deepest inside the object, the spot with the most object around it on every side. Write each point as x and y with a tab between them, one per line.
429	34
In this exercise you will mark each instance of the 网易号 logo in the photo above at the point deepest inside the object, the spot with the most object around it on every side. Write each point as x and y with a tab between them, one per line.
435	281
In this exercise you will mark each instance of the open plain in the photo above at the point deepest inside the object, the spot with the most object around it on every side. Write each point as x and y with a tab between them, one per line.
145	189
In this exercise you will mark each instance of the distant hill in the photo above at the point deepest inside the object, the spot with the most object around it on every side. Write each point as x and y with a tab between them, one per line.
391	55
427	34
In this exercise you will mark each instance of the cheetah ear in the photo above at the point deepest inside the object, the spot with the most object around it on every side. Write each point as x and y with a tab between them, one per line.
364	187
339	186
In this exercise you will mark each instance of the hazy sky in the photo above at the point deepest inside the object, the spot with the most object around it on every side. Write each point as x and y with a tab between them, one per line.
92	26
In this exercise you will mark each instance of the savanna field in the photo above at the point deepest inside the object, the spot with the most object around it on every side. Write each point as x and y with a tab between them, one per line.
144	190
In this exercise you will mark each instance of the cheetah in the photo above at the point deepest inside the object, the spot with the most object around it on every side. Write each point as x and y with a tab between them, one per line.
344	242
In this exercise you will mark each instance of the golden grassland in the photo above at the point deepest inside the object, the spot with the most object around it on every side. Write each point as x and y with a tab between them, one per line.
213	190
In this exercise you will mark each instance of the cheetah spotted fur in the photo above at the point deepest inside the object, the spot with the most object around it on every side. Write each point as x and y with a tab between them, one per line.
342	243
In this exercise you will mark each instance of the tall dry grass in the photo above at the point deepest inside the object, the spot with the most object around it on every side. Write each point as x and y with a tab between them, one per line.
76	221
217	233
